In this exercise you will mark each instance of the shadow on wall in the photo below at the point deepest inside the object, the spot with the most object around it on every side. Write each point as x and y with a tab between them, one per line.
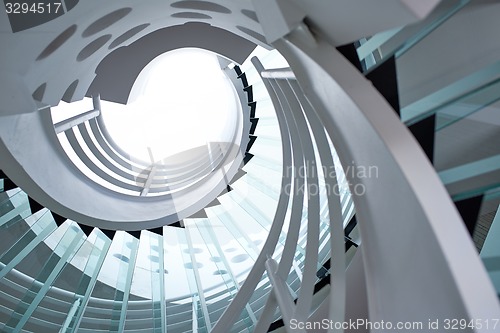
114	84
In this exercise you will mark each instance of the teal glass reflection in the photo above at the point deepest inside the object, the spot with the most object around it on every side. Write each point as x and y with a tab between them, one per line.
398	41
67	246
128	254
201	318
14	206
40	230
99	249
157	281
477	88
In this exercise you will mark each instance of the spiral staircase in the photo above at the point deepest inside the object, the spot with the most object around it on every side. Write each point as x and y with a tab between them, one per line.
362	179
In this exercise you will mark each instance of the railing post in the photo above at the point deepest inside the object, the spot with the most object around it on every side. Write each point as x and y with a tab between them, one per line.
81	118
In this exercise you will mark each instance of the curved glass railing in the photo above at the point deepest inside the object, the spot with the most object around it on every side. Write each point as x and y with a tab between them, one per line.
95	155
182	280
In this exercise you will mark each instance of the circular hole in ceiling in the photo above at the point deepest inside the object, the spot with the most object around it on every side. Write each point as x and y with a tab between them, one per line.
239	258
189	265
250	14
127	35
216	259
252	33
92	47
191	15
106	21
181	96
231	249
258	241
220	272
121	257
201	5
155	248
57	42
164	271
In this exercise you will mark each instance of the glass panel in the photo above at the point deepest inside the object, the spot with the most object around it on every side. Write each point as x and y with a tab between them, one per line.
177	282
470	170
370	45
99	246
69	244
264	183
400	40
237	202
468	104
13	232
200	310
265	108
472	88
271	153
232	236
115	279
142	285
14	206
220	270
41	229
157	281
130	247
264	163
467	154
254	202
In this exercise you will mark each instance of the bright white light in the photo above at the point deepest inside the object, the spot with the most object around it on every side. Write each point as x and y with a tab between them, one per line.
182	100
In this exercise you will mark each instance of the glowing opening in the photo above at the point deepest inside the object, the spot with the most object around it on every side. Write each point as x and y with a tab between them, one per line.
181	100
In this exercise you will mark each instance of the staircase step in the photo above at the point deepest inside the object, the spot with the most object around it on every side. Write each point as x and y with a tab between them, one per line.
238	70
469	140
249	91
253	108
14	206
480	85
261	167
251	141
247	158
241	173
243	79
254	122
242	228
214	202
271	189
400	40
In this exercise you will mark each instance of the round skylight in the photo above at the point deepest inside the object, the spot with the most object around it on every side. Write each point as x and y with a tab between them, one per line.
180	101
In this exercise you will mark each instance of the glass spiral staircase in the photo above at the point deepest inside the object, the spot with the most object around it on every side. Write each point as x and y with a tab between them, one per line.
59	275
175	278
